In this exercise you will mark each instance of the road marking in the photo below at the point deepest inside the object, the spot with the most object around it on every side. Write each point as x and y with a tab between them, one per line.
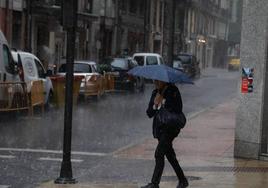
59	159
54	151
7	157
4	186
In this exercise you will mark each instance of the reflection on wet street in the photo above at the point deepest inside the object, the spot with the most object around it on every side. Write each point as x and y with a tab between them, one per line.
115	120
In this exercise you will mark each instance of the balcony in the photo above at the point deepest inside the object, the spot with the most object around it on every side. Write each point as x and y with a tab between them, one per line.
46	2
46	7
208	7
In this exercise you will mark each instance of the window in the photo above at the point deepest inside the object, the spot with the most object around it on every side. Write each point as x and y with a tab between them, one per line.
123	6
161	61
133	6
40	69
7	59
132	63
57	2
151	60
142	7
120	63
94	68
82	68
140	60
88	6
78	68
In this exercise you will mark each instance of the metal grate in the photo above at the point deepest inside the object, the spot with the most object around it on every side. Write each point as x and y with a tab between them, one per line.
217	169
13	96
229	169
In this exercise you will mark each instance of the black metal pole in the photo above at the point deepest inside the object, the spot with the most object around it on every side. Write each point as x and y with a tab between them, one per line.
66	176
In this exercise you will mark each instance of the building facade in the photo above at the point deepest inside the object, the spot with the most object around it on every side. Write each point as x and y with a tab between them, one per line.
206	31
234	36
156	26
251	132
131	26
121	27
13	22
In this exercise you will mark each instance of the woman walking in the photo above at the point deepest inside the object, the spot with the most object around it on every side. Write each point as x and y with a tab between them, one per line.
167	95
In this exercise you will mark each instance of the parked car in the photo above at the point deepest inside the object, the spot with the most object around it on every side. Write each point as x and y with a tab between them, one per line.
123	81
234	64
31	69
91	84
189	63
177	64
11	91
144	59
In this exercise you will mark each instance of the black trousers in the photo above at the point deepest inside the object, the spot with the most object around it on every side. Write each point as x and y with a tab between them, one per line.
165	148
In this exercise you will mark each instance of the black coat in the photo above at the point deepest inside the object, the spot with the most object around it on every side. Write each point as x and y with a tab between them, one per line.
173	103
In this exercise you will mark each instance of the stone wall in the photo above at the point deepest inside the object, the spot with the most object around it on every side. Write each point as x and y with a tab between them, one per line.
249	122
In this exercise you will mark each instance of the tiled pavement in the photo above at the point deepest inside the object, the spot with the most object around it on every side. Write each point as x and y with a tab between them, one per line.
205	150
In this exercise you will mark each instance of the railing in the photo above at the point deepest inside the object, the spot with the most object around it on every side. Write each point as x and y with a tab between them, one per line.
13	96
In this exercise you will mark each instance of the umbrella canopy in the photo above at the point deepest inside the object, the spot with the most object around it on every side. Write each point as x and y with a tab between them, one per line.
160	72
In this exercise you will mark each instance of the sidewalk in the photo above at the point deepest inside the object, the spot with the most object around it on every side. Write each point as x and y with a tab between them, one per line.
205	149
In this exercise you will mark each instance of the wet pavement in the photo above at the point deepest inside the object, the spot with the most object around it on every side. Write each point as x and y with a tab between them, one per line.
205	150
118	117
113	145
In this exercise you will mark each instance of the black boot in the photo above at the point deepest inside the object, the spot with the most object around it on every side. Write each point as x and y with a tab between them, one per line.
150	185
183	183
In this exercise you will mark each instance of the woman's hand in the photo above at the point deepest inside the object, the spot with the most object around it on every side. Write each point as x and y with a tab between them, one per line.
158	100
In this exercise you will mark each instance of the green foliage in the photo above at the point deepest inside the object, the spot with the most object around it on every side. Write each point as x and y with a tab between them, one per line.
104	68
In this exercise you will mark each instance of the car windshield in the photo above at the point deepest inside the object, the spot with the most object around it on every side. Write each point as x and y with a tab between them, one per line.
161	61
78	68
177	64
184	58
120	63
151	60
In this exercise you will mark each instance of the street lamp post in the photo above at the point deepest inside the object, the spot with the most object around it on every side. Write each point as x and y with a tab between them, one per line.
69	9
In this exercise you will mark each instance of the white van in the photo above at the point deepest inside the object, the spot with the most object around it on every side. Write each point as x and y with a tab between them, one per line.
11	91
8	72
144	59
33	70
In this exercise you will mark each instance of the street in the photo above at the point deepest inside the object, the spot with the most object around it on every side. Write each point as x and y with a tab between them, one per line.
30	147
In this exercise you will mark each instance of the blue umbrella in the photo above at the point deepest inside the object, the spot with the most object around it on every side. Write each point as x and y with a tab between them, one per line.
160	72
